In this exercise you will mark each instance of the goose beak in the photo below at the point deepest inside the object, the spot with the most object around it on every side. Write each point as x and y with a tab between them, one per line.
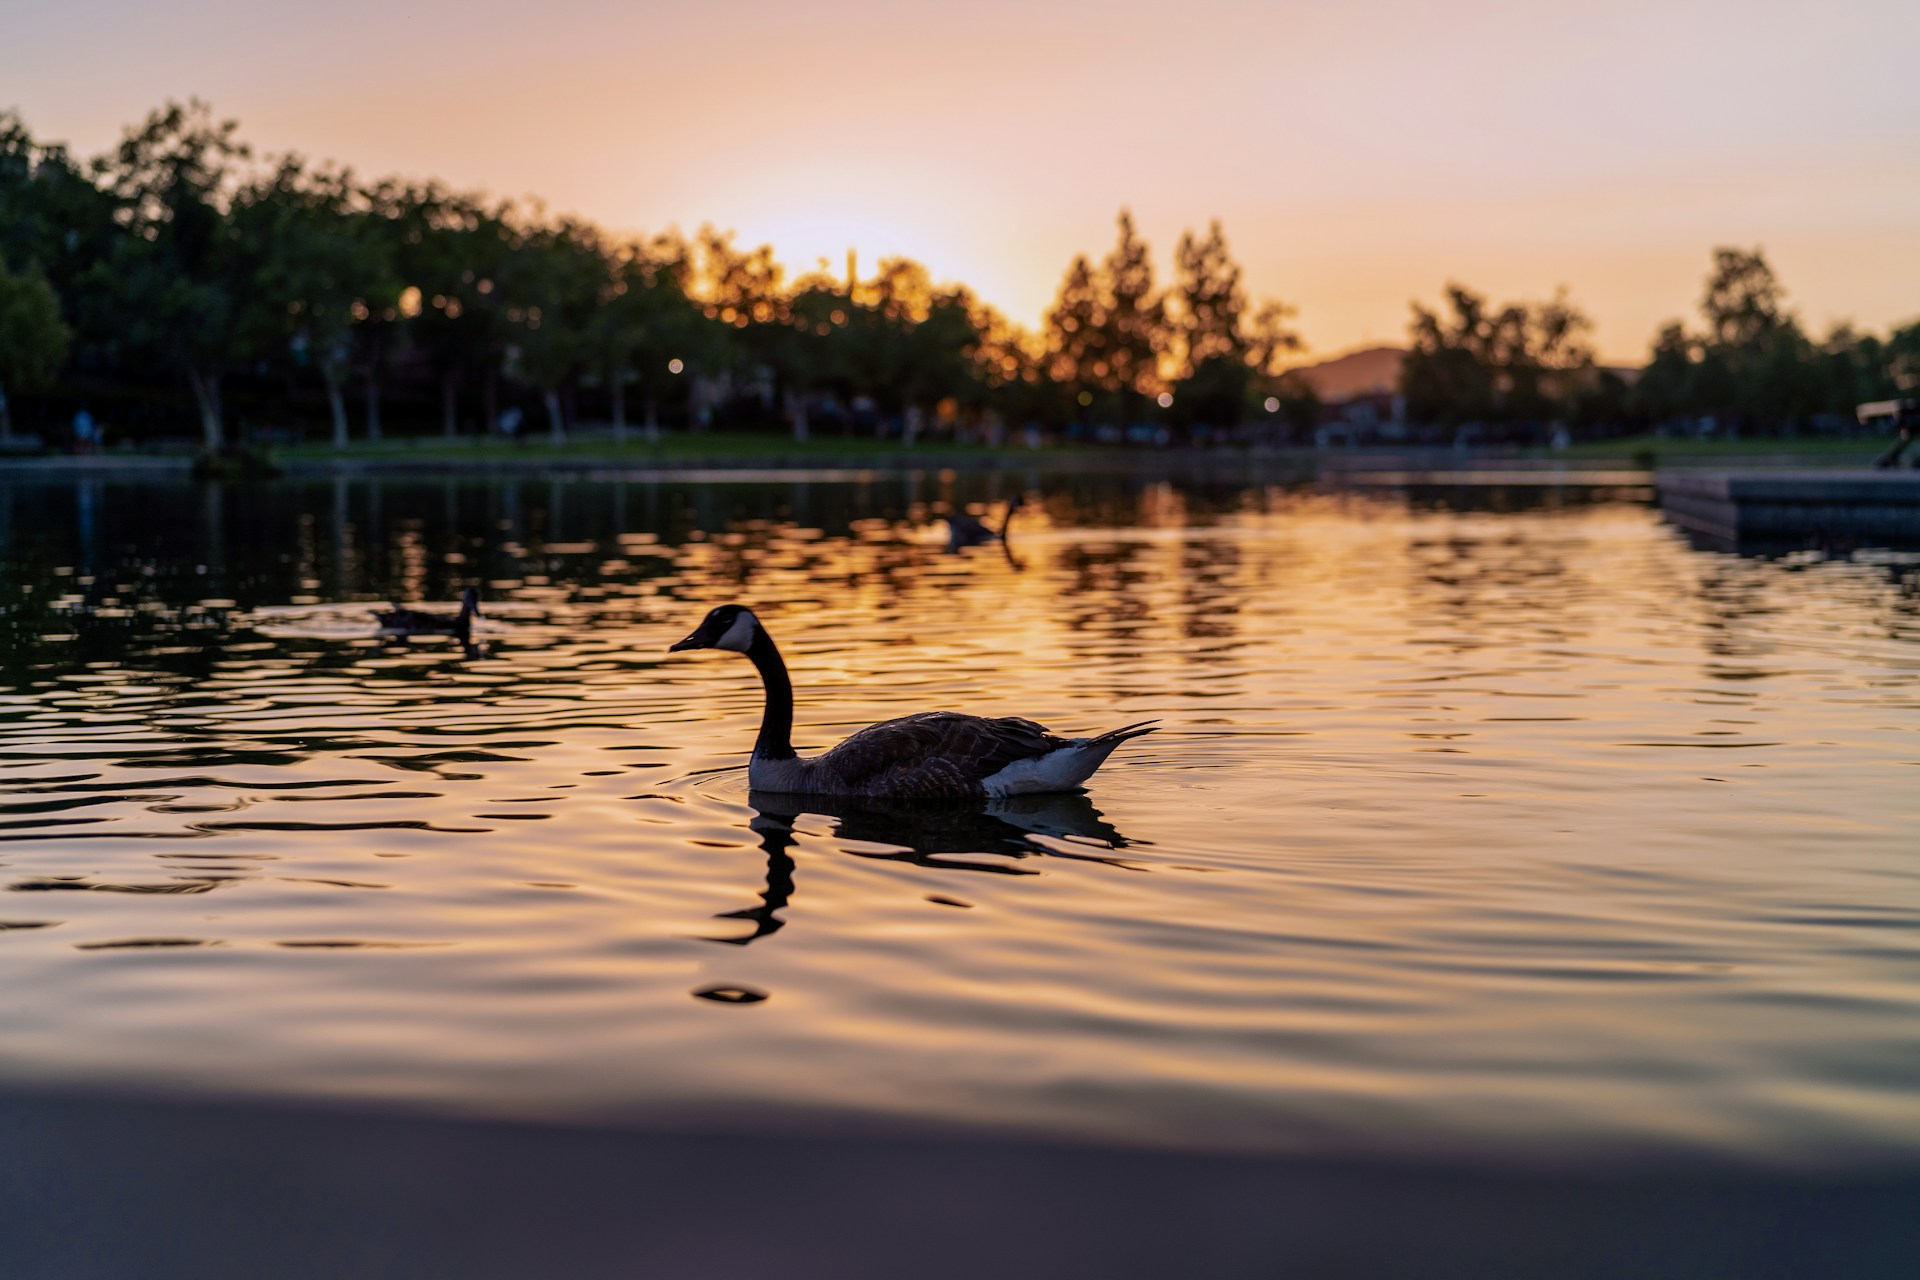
691	642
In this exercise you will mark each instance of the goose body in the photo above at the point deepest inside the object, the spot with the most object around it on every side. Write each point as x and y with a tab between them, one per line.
402	621
931	755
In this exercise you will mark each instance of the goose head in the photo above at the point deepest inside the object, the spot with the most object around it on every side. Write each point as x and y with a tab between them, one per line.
727	626
470	601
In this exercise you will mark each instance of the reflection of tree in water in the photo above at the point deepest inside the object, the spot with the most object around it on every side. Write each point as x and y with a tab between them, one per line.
1906	600
1109	587
1484	583
1903	601
1118	586
936	835
625	550
80	590
1210	590
1751	602
1090	498
1735	596
374	539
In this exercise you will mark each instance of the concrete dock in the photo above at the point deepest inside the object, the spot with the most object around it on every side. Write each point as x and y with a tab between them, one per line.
1839	505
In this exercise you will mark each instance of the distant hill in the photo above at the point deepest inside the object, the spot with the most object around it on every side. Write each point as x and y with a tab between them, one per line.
1376	370
1357	373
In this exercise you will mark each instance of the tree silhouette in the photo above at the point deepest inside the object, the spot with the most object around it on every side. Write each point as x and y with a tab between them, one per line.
33	338
1753	367
317	263
1519	364
1209	348
1128	338
452	250
1742	302
178	277
1073	346
557	278
1210	301
646	319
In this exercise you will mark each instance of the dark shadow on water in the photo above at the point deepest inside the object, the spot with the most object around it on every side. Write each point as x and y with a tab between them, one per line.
183	1190
469	651
993	836
1831	546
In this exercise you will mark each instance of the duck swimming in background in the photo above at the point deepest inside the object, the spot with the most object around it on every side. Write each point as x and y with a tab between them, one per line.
402	621
964	530
932	755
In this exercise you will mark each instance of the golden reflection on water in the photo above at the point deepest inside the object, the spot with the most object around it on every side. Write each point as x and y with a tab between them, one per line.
1523	829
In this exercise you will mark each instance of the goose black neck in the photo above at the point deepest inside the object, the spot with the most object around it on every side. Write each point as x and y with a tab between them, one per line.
776	722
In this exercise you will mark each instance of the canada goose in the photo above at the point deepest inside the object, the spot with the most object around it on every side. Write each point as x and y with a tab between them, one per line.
929	755
964	530
402	621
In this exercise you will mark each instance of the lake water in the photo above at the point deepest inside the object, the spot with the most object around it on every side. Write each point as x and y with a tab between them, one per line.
1525	832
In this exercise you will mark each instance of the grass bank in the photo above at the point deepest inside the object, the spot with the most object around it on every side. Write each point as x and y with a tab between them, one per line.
736	449
716	448
1813	451
596	450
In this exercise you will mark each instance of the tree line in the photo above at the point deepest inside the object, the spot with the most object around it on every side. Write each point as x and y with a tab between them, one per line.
181	280
179	268
1749	368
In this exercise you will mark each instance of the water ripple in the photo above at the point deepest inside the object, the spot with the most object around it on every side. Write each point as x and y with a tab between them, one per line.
1422	858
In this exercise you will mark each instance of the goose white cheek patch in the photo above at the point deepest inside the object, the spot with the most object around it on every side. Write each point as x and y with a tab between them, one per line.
739	635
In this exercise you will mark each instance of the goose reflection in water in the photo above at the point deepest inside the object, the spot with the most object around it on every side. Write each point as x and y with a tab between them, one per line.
401	624
469	649
942	835
966	530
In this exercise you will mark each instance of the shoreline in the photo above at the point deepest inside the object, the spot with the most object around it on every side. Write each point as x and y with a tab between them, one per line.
751	459
537	461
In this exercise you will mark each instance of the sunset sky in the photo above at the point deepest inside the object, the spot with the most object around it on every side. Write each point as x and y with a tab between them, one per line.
1360	155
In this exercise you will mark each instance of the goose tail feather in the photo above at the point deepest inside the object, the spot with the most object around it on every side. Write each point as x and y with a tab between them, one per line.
1064	768
1120	735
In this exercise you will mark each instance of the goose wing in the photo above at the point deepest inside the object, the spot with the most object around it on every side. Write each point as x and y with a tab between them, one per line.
934	753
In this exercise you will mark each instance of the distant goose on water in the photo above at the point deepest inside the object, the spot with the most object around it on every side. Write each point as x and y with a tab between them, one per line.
929	755
964	530
402	621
